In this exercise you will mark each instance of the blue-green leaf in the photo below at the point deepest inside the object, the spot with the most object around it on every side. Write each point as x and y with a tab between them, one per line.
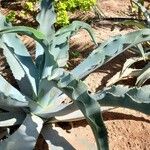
75	26
109	50
26	135
46	18
11	96
123	96
144	75
18	58
11	118
144	10
49	64
31	32
77	91
18	70
60	44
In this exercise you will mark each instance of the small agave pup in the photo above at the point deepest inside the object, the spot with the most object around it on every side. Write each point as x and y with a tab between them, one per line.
43	83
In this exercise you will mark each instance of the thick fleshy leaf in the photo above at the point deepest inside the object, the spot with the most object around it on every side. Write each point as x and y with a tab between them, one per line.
129	72
26	135
60	45
10	96
39	58
141	74
72	113
69	117
47	92
23	58
48	98
140	94
31	32
110	49
123	96
141	49
144	75
75	26
134	23
49	64
144	10
6	28
52	101
10	108
129	62
16	48
60	51
11	118
18	58
23	63
60	111
16	68
77	91
46	19
18	71
59	48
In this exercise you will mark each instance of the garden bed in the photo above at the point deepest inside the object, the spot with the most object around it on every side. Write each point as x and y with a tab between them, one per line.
127	129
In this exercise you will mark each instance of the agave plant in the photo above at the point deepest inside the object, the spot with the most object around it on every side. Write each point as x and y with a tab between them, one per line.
139	23
129	70
44	83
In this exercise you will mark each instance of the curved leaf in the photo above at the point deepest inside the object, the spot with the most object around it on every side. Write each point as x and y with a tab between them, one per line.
77	91
46	19
134	23
76	25
144	10
20	71
129	62
24	63
110	49
11	96
47	92
31	32
60	44
59	111
11	118
60	52
129	72
49	64
140	48
48	98
20	56
10	108
144	75
26	136
52	101
123	96
69	117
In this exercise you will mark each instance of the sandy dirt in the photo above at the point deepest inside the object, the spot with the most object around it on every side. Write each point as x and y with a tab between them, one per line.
127	129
